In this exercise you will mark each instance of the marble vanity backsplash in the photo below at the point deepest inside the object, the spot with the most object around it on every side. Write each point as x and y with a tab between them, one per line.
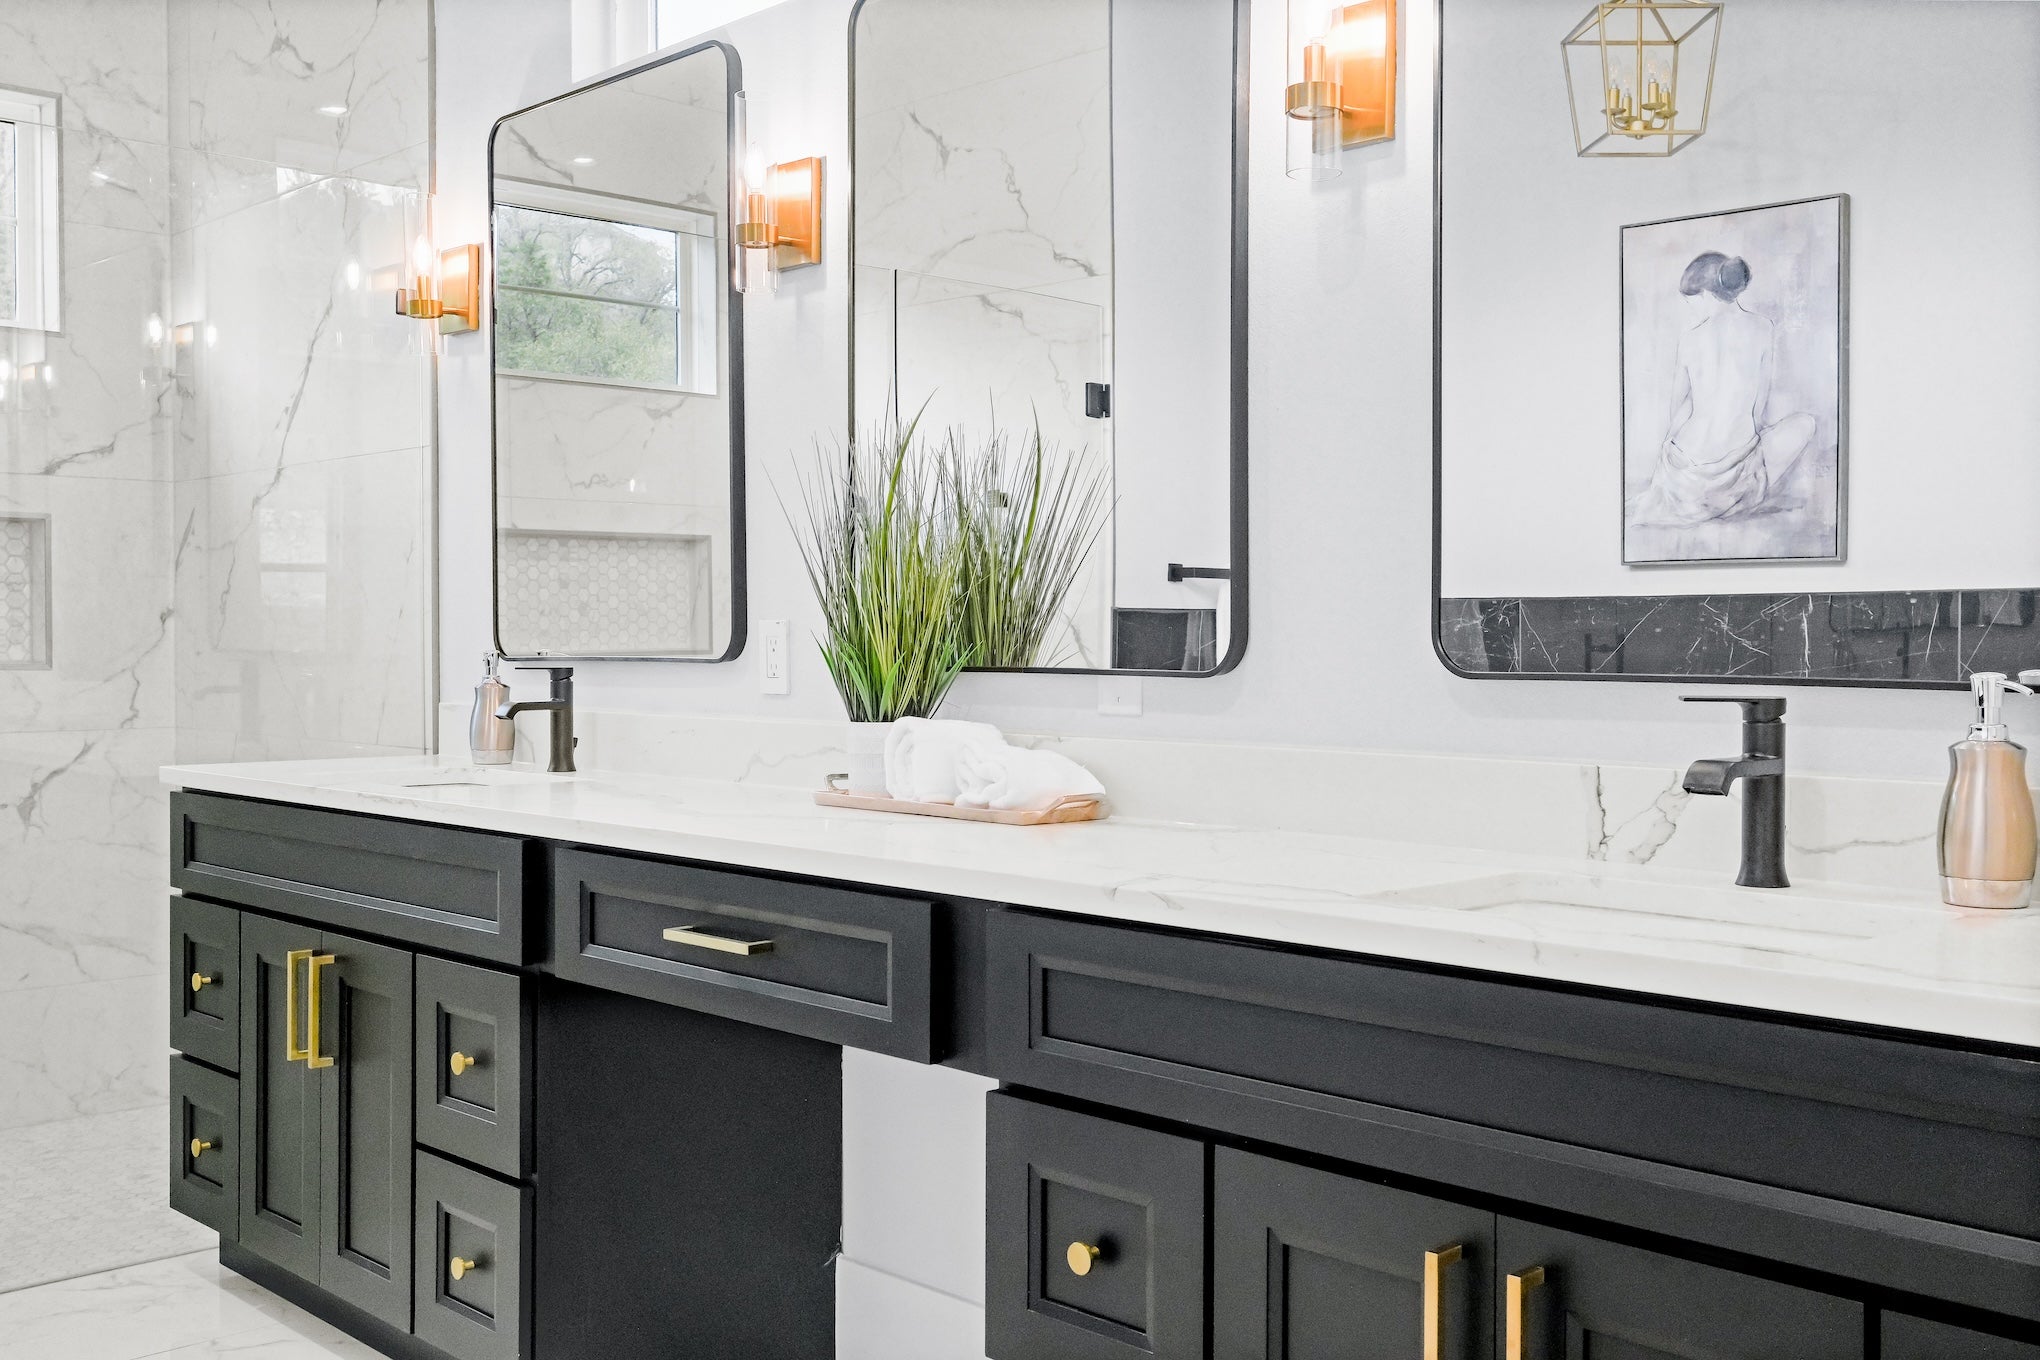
1862	831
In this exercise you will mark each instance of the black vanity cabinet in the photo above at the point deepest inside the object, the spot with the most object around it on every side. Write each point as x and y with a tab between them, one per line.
416	1062
323	1072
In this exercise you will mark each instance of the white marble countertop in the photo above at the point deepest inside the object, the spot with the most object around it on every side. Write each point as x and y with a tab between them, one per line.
1855	954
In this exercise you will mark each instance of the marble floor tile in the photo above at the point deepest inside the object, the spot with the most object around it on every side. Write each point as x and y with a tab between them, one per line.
186	1306
86	1195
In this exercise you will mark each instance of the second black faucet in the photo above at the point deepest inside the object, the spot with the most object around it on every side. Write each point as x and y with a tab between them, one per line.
1761	767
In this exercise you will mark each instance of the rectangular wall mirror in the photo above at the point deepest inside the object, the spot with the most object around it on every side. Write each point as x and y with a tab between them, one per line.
619	430
1738	322
1049	229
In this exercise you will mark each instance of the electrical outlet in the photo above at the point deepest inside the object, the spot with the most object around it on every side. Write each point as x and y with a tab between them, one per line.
775	668
1119	696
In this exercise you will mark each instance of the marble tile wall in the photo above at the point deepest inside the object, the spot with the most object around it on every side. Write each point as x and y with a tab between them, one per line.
231	446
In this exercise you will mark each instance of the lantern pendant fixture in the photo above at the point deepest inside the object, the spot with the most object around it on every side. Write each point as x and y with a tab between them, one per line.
1640	76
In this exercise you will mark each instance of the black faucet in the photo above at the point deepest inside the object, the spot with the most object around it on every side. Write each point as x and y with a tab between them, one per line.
561	706
1762	768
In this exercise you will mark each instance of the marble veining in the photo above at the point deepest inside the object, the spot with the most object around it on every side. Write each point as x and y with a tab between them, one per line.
1868	954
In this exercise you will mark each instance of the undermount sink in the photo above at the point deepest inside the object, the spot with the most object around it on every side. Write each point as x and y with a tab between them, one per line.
1577	904
460	777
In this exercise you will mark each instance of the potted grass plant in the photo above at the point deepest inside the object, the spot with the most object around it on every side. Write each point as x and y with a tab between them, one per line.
1026	521
882	553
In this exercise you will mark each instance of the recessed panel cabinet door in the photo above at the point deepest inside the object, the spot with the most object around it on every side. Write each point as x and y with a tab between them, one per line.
279	1152
1586	1299
361	1056
1307	1265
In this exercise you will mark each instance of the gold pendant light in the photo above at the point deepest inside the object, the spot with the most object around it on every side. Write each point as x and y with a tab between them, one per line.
1640	76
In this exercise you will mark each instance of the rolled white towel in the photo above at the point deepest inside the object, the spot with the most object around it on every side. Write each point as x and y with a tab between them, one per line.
921	756
1011	778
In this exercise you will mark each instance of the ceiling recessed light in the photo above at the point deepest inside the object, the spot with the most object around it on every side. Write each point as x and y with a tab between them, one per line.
333	110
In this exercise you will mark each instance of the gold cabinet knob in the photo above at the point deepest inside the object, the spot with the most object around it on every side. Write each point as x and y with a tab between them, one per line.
199	1145
200	980
461	1062
459	1268
1081	1256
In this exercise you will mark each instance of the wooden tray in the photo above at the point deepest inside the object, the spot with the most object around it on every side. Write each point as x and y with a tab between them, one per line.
1085	808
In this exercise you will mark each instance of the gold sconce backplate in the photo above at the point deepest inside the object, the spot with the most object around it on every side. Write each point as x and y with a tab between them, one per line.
1362	49
460	289
796	188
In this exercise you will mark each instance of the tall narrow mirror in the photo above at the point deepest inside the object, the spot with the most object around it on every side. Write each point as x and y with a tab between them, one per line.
1049	235
618	388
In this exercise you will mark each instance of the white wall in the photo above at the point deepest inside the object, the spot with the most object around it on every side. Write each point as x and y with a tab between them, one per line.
1340	653
1937	134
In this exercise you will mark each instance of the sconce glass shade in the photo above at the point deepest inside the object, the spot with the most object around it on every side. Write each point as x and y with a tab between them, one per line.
1640	76
1342	78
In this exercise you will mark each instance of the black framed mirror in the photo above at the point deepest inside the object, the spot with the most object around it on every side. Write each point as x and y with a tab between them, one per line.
618	382
1730	387
1049	232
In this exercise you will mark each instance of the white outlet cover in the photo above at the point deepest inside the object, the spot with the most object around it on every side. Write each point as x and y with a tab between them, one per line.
775	664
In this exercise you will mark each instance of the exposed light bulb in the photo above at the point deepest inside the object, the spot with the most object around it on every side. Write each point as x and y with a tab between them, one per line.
155	330
421	255
353	274
212	335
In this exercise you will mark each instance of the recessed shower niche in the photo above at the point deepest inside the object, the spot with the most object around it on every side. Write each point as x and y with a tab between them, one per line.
24	593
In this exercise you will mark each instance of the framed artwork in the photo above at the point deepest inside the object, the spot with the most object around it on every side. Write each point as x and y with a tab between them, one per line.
1735	386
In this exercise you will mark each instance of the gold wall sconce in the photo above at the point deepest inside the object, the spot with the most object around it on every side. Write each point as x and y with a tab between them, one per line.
1342	83
780	213
1639	75
446	288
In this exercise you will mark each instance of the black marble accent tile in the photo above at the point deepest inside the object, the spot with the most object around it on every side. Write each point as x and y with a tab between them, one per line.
1165	639
2000	631
1886	638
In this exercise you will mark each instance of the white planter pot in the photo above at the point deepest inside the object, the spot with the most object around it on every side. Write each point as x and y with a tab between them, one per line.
867	758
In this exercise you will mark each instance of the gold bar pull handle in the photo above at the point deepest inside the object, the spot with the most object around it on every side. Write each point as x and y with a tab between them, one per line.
1520	1285
1435	1263
293	1050
313	1059
722	944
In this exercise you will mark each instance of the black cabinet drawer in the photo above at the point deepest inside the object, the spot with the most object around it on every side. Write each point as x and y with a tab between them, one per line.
473	1065
205	982
473	1262
205	1174
460	891
1903	1163
850	968
1094	1238
1913	1338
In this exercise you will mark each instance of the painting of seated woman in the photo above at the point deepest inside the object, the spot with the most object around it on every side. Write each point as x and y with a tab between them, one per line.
1733	386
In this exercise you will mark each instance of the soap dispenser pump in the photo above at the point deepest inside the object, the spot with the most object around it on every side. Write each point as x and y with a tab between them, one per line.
1989	842
491	740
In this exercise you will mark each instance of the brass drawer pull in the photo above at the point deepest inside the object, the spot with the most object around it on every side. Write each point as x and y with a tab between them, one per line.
199	1145
313	1059
459	1268
1435	1263
293	1051
461	1062
1520	1285
1081	1256
200	980
721	944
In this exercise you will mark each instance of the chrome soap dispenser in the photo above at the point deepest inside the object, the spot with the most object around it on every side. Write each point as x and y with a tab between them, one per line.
1989	843
491	740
